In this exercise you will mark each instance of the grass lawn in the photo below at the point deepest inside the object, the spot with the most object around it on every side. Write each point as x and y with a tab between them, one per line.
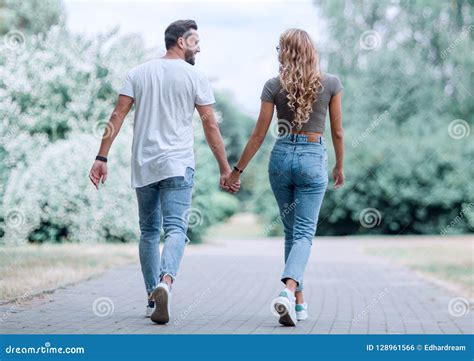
31	269
446	259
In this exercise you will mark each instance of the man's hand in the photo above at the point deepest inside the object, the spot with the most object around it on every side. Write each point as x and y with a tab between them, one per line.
231	181
98	173
338	175
231	187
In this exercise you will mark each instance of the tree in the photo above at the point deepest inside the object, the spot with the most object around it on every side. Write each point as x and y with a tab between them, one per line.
30	17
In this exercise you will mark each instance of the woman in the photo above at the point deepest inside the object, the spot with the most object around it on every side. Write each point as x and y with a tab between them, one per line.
298	162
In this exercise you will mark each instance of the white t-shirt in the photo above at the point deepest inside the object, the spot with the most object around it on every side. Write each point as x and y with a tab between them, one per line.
165	92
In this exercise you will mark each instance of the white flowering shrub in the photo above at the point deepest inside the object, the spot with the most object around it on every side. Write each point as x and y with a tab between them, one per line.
32	16
52	198
58	82
57	91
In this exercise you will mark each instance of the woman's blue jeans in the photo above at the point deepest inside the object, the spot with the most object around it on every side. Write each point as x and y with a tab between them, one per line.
299	177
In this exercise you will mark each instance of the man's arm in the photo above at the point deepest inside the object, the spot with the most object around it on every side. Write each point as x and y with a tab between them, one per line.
215	142
99	168
123	106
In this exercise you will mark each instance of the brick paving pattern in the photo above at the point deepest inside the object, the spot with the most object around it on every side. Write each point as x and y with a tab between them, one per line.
226	287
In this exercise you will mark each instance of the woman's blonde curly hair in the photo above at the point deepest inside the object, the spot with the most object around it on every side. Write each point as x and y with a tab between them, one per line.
300	75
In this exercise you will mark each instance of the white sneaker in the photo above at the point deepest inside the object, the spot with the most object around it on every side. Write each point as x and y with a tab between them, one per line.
149	307
301	311
284	307
161	296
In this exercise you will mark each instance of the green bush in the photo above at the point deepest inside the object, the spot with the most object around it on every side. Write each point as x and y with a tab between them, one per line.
58	91
403	102
53	200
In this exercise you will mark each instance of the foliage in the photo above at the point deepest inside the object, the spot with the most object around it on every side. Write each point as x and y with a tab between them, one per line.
57	91
32	16
407	110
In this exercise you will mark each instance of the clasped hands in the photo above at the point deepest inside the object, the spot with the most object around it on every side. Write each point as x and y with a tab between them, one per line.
230	181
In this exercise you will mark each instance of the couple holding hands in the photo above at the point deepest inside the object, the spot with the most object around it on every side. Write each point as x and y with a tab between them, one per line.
165	92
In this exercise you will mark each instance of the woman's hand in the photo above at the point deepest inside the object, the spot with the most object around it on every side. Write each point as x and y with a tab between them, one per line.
338	176
233	179
226	185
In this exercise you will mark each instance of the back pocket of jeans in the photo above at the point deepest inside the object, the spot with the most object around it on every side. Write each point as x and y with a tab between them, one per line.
312	165
276	163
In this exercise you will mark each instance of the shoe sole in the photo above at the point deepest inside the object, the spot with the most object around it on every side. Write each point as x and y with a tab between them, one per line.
161	314
284	311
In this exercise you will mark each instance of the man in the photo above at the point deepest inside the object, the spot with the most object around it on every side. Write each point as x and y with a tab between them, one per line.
165	92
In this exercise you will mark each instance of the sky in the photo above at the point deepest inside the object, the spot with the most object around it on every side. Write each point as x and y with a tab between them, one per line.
238	38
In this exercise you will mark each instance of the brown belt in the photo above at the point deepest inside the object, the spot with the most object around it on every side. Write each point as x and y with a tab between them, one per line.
312	136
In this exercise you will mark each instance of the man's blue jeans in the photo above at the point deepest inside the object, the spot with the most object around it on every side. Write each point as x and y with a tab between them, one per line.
166	203
299	178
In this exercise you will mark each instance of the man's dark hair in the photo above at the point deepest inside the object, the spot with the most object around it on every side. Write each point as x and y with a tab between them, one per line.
176	30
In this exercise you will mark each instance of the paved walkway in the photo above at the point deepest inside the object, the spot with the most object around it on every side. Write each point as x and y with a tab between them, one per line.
226	287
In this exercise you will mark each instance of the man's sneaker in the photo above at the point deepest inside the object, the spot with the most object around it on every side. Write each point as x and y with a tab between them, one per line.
149	307
161	296
284	307
301	311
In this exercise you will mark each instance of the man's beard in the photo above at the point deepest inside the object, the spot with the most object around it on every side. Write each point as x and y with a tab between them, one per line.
189	57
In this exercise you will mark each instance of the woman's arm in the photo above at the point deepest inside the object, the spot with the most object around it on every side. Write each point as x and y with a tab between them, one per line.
337	134
255	141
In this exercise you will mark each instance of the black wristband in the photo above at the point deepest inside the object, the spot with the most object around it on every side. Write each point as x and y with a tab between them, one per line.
103	159
238	170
